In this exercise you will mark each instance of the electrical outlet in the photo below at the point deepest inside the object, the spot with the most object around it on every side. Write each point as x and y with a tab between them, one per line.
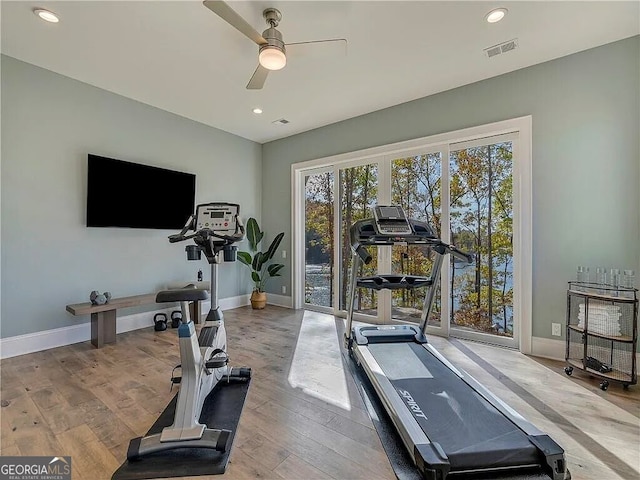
556	330
284	254
284	289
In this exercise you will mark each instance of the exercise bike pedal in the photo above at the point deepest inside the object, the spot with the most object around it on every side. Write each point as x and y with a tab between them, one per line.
239	374
175	379
217	362
242	372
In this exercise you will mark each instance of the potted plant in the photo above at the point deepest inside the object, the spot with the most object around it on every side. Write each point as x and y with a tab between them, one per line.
260	263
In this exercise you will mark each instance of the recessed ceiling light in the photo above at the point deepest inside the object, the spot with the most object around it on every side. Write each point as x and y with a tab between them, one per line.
496	15
46	15
257	110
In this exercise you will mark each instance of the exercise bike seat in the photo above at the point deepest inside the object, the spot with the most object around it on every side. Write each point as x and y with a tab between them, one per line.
182	295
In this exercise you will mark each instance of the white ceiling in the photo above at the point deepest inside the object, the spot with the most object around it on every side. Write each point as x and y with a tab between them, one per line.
181	57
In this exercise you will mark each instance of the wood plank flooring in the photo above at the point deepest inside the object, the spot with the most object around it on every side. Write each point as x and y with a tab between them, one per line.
303	418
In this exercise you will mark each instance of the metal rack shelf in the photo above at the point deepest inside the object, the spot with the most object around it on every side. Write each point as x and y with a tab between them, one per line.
615	338
602	332
614	375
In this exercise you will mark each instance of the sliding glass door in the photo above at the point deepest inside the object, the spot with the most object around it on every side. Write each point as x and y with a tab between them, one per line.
358	194
416	186
327	216
319	268
481	221
466	192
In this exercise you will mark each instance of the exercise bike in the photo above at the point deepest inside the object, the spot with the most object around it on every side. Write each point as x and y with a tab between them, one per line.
203	358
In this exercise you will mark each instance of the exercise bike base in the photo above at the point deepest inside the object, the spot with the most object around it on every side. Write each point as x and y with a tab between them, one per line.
212	439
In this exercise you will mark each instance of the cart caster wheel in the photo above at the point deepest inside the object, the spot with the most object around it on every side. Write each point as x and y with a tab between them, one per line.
625	386
568	370
604	385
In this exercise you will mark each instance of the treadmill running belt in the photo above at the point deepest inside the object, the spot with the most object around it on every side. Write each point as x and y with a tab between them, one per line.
472	432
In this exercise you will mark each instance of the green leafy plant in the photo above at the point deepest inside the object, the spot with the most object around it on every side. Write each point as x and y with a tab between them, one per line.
260	263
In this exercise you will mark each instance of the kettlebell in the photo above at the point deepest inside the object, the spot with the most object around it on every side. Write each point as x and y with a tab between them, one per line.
160	321
176	318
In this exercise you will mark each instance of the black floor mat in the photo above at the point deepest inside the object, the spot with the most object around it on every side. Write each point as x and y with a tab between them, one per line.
221	409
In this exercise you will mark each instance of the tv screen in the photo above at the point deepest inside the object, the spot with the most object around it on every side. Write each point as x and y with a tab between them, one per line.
125	194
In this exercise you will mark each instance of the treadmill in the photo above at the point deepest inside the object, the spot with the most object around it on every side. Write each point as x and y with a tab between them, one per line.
449	423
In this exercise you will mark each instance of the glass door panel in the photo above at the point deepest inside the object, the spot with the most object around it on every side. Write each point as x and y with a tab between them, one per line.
318	240
358	195
416	186
481	220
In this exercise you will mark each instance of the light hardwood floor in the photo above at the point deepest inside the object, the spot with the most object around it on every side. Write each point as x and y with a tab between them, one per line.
303	418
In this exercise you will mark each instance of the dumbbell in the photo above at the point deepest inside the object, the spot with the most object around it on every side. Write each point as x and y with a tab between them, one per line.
160	322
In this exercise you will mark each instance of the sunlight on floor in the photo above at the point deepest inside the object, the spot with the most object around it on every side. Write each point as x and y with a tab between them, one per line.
316	367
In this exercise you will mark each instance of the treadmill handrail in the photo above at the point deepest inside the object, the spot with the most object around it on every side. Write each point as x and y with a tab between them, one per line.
364	233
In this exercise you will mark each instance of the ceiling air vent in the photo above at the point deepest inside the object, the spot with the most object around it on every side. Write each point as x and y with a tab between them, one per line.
282	121
501	48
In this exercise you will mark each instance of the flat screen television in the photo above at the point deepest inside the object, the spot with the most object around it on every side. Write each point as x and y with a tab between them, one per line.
132	195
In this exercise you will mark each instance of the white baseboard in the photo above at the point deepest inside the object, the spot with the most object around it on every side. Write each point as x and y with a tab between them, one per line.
59	337
231	302
279	300
554	349
548	348
36	342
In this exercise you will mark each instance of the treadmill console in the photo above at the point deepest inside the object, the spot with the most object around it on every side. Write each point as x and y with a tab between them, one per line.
222	218
391	220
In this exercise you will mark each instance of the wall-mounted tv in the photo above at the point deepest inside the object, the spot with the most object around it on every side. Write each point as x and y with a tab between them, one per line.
125	194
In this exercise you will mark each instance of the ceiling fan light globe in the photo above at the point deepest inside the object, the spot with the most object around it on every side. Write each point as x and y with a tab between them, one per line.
272	58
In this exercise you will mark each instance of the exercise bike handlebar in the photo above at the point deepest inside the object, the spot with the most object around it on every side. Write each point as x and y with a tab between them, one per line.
179	237
207	232
175	238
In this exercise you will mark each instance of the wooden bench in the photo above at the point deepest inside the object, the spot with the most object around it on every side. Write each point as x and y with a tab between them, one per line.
103	317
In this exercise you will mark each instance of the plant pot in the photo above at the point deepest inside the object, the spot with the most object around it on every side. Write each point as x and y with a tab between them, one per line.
258	300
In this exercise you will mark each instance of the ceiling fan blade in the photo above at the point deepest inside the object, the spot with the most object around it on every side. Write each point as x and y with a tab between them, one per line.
335	46
224	11
258	78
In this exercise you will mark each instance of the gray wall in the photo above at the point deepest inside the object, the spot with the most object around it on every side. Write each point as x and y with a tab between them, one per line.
49	257
586	159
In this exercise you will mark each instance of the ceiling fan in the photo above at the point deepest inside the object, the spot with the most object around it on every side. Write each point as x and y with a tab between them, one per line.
272	51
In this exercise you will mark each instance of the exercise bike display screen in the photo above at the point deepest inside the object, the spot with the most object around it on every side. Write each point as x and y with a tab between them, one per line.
219	217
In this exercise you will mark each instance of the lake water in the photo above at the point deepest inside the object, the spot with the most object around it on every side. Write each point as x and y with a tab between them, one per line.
318	291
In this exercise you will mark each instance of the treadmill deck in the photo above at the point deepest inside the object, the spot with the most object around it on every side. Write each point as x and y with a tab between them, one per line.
472	432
